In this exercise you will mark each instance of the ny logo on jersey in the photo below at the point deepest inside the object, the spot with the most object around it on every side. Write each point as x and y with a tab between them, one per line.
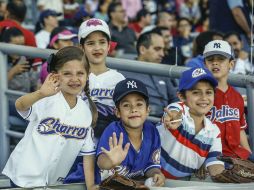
216	45
131	84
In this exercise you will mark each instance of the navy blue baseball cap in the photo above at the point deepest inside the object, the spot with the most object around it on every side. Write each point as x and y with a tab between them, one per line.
191	76
48	12
128	86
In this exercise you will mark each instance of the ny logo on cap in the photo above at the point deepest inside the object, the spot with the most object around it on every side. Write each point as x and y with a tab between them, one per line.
198	72
93	22
131	84
216	45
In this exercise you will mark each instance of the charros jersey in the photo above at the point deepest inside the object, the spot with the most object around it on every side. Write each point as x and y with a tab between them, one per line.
55	136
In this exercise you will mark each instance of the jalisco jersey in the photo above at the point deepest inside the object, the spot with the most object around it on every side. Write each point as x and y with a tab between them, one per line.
182	151
136	163
228	114
55	136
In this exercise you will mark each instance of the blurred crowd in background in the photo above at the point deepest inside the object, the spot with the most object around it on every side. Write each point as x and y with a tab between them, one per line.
186	26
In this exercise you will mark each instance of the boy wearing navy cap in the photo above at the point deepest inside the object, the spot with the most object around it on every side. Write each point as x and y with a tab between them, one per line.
131	146
188	138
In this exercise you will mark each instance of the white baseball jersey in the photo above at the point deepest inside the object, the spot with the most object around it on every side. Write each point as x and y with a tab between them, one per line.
102	86
55	136
183	151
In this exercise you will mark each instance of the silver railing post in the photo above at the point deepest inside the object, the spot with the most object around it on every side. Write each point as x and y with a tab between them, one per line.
4	140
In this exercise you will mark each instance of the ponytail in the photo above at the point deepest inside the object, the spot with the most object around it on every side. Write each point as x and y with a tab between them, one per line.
92	105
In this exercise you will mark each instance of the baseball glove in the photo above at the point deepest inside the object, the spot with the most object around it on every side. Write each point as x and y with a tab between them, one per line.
118	182
242	171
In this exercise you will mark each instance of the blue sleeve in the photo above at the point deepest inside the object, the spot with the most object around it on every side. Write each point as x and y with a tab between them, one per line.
155	153
234	4
194	63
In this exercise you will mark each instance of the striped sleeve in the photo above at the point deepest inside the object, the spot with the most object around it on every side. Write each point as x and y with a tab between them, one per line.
215	150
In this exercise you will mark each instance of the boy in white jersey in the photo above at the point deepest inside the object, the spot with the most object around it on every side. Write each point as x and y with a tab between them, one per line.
188	138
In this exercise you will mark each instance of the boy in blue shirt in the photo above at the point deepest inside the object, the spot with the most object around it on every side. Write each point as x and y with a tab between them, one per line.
131	147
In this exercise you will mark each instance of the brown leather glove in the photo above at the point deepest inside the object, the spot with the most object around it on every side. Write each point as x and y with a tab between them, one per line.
242	171
119	182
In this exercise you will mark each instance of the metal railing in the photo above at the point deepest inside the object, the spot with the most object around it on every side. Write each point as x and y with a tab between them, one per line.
115	63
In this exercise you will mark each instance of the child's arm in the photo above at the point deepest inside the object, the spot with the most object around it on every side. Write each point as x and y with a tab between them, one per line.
49	88
244	141
114	157
158	177
88	162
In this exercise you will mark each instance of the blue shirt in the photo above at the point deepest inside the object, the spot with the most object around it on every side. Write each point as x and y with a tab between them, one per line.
136	163
196	62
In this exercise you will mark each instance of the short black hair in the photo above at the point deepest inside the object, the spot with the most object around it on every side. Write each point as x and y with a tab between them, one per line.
159	29
141	13
112	7
145	40
201	40
17	10
232	33
8	33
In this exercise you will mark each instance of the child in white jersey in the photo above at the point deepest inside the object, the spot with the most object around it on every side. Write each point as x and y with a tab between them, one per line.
188	138
56	133
94	38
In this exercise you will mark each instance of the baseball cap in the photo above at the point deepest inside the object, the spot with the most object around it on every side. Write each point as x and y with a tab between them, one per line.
218	47
64	35
48	12
190	77
92	25
128	86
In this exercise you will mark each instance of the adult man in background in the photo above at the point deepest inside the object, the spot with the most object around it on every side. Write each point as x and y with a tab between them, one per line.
120	32
143	19
161	90
227	16
242	62
15	15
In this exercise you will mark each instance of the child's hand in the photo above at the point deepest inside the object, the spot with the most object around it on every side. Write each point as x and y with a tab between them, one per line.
173	119
50	86
116	153
159	180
